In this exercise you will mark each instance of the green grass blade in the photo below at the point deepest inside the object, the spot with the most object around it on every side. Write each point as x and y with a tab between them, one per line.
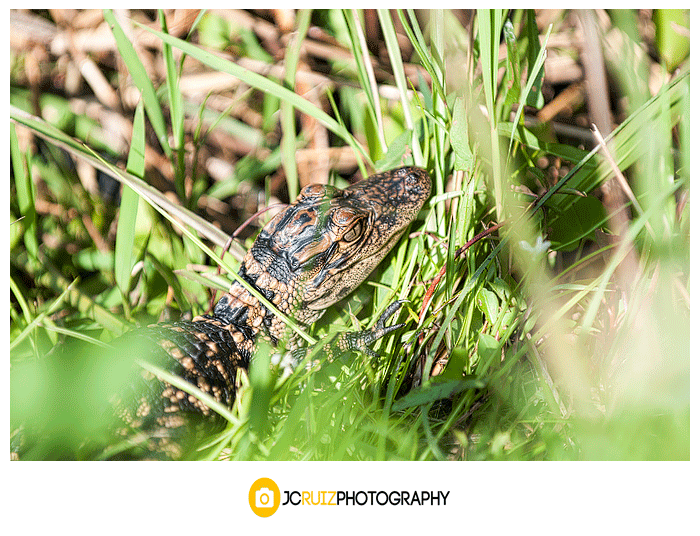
60	139
263	84
287	122
489	24
129	206
625	142
366	72
535	75
392	46
623	249
141	80
25	194
39	319
433	66
177	117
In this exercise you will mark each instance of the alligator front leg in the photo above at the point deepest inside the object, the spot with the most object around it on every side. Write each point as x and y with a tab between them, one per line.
361	341
344	343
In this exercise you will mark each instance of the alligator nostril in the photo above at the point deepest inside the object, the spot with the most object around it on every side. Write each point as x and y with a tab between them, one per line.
415	177
413	174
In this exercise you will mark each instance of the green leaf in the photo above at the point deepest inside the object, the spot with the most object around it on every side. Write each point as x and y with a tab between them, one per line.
437	389
577	223
534	53
536	73
512	66
672	41
487	302
456	364
394	155
215	32
459	137
488	350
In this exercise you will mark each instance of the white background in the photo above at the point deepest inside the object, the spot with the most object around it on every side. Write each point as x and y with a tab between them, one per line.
129	498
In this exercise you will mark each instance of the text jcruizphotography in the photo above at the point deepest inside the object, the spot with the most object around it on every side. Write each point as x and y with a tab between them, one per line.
365	498
265	497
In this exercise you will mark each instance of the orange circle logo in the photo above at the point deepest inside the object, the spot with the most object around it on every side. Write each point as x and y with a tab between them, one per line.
264	497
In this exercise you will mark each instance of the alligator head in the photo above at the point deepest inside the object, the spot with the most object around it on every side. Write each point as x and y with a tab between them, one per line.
320	248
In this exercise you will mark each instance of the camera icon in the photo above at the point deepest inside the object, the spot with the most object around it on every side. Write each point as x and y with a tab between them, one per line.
264	498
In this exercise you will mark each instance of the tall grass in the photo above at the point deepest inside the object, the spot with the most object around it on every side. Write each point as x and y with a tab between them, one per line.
515	349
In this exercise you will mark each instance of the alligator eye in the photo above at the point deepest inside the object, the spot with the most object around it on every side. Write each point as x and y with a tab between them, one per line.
355	231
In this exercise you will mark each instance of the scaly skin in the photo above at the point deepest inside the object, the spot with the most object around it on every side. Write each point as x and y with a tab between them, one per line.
308	257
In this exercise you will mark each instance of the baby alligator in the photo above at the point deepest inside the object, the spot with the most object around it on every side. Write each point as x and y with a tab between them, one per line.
308	257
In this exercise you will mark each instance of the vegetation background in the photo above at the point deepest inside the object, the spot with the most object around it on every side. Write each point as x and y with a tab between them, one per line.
141	140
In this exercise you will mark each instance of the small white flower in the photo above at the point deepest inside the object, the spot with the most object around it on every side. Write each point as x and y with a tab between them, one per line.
540	248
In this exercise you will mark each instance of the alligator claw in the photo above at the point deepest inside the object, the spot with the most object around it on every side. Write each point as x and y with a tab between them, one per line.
390	310
361	340
380	329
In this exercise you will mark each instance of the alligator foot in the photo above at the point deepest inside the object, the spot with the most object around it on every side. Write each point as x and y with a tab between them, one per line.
360	341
